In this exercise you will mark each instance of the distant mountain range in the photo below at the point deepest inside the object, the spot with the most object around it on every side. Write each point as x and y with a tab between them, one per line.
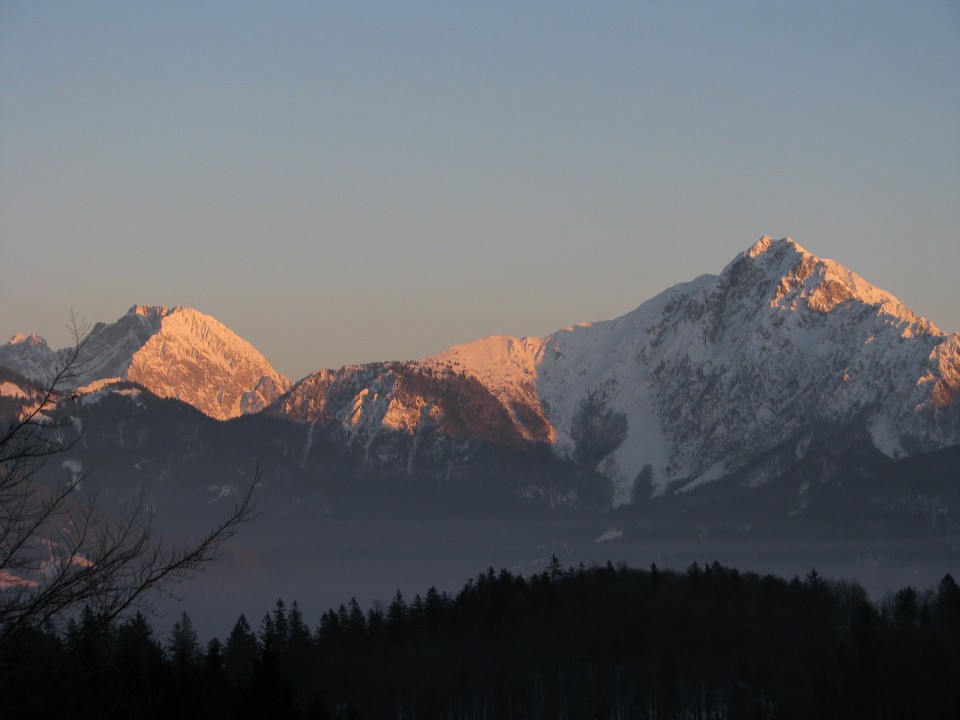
784	365
782	415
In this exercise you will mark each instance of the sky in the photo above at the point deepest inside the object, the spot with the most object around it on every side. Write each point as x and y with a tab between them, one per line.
351	182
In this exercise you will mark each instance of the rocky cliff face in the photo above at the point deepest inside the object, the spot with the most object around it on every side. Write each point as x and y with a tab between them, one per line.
780	358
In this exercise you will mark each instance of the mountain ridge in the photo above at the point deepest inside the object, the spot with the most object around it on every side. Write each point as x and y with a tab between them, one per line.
761	416
691	386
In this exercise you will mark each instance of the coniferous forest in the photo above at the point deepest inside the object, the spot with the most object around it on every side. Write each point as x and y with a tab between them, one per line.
598	642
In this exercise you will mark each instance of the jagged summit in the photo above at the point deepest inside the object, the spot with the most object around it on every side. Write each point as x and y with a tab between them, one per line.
763	245
805	280
151	310
195	358
179	353
767	244
29	355
747	371
694	384
28	340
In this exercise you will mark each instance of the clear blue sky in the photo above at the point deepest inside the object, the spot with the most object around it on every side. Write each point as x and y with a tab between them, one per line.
348	182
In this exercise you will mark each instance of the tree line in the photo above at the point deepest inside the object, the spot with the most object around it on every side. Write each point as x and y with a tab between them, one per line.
598	642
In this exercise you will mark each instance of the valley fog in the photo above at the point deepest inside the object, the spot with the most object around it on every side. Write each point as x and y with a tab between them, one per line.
326	564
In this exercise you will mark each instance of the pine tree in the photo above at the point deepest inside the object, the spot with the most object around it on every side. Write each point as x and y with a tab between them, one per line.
356	621
215	695
948	601
141	664
186	659
397	613
299	634
213	659
89	645
554	569
433	610
268	632
281	627
905	607
240	652
270	693
183	647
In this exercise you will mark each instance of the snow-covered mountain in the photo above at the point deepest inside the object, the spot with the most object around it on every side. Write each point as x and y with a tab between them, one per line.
781	415
782	361
778	352
179	353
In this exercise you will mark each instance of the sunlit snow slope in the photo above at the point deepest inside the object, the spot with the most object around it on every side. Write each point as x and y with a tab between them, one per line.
744	372
689	387
178	353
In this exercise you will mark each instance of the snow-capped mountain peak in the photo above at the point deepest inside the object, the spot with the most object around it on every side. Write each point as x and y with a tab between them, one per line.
195	358
150	310
742	373
695	383
31	340
179	353
728	366
29	355
822	284
763	245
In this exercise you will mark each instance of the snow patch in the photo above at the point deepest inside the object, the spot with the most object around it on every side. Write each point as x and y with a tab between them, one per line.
222	491
9	581
886	437
714	472
9	389
610	534
75	468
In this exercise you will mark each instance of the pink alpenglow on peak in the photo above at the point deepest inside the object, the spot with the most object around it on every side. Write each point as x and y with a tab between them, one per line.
29	340
821	285
762	245
690	386
150	310
174	353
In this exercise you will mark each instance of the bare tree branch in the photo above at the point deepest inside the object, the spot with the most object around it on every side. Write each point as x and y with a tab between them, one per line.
58	553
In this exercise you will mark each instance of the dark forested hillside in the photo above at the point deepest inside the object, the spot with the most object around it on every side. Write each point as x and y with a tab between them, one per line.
599	642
